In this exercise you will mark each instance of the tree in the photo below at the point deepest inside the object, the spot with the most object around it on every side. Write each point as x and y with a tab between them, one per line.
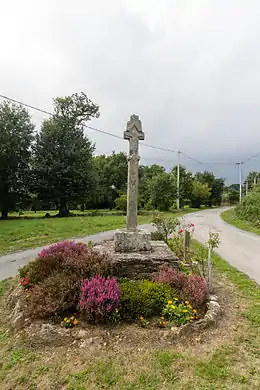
63	165
111	178
215	185
217	191
16	136
200	193
162	191
146	175
185	184
252	179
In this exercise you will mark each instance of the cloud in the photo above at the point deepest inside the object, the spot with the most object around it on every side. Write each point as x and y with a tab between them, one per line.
189	69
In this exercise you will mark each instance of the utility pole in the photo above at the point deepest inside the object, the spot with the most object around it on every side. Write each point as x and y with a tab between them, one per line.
178	182
255	180
240	180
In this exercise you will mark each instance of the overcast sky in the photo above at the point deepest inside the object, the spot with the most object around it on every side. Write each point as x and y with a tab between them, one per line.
189	69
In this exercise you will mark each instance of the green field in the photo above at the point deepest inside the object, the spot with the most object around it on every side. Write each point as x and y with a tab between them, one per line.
23	233
230	216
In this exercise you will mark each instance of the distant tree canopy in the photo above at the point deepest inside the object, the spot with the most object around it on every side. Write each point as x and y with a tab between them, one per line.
16	136
62	155
57	169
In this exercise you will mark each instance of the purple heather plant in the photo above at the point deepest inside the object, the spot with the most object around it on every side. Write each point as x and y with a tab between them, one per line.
100	297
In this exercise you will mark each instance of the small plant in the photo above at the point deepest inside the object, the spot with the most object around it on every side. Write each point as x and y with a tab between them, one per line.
166	226
70	322
114	317
179	314
213	242
144	323
171	276
162	323
25	282
100	297
196	289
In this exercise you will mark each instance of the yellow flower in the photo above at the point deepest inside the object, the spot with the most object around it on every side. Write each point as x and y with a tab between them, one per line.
162	318
192	318
185	311
176	299
72	318
65	319
68	321
187	302
169	302
190	307
116	310
194	311
173	307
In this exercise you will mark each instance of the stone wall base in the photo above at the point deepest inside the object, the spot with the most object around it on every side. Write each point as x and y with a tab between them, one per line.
139	265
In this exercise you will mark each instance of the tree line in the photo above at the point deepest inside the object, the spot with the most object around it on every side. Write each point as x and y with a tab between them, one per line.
55	167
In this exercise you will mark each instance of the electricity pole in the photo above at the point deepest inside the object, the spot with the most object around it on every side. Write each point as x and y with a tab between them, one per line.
240	180
178	182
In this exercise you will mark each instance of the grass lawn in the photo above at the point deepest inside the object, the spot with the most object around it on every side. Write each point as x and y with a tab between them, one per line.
229	216
226	356
28	233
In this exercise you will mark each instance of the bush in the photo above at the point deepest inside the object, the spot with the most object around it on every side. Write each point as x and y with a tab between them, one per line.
67	257
55	277
250	207
195	289
121	203
171	276
100	297
143	297
191	287
51	298
166	226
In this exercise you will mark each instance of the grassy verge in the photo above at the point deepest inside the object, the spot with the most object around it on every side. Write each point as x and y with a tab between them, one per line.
229	216
224	357
22	233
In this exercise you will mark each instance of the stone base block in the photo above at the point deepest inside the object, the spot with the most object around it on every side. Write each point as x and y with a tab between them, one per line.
139	265
132	241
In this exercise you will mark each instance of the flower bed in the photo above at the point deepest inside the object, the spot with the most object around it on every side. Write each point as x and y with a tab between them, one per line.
74	285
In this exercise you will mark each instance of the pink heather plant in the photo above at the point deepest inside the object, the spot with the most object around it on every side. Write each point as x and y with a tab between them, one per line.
64	250
100	296
196	289
170	276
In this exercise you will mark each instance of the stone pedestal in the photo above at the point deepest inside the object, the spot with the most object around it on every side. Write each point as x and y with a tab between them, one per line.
132	241
138	265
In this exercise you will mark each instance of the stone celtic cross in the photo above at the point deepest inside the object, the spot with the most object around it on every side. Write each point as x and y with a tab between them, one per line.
134	134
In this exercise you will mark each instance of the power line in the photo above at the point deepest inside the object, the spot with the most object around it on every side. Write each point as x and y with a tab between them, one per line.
175	151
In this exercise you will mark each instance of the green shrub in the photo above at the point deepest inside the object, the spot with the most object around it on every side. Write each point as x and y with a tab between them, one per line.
250	207
166	225
143	297
157	236
121	203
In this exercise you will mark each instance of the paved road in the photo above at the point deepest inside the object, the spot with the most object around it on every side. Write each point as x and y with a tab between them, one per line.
240	248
